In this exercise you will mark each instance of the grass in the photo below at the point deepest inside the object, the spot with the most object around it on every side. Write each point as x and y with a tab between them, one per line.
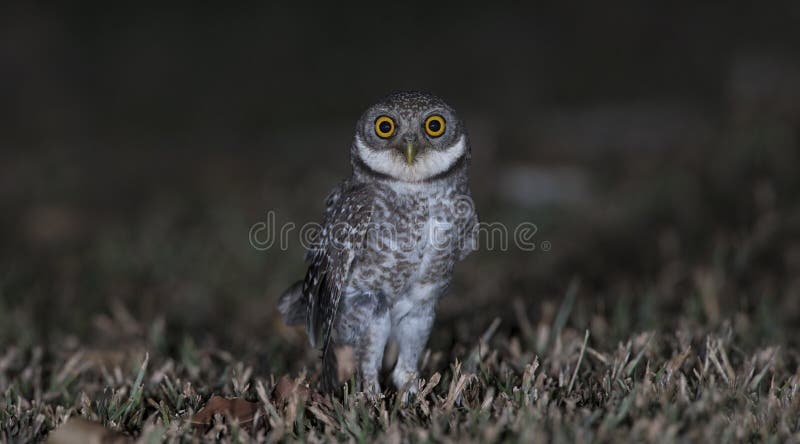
691	384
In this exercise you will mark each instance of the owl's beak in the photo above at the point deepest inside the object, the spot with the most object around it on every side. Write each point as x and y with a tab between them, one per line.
411	151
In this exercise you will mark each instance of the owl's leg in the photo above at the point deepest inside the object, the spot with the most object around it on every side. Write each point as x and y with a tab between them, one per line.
367	324
369	351
411	327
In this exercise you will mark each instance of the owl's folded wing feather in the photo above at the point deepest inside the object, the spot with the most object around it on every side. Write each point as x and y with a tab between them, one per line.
468	236
331	258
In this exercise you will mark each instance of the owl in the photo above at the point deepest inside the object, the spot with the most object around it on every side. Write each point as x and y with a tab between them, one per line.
391	235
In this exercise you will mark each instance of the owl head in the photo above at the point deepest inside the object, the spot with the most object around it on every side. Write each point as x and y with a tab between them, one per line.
410	137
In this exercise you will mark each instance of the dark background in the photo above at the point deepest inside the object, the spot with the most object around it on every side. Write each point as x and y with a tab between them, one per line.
654	144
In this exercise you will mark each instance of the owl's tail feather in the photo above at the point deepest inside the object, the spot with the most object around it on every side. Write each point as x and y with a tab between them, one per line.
293	305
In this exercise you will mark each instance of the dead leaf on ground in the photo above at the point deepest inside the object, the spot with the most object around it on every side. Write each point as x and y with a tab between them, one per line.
237	408
346	363
83	431
287	386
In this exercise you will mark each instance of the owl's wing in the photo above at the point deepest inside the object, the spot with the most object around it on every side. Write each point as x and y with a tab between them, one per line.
468	237
330	258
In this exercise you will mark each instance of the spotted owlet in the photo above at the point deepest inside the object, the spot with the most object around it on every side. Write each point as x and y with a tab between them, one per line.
391	235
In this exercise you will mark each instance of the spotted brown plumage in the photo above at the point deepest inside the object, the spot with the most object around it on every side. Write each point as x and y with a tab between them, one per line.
390	238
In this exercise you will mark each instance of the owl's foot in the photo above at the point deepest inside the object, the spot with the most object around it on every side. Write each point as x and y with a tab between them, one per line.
371	386
406	382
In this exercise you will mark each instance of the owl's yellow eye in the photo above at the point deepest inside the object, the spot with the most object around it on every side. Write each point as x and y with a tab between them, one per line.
384	127
434	125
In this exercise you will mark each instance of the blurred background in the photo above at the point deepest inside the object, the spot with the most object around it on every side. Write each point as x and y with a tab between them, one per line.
654	145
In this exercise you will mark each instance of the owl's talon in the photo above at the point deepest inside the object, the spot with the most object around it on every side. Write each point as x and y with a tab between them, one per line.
371	386
406	382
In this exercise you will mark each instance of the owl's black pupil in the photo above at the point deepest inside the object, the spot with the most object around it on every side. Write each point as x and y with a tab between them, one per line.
434	125
385	127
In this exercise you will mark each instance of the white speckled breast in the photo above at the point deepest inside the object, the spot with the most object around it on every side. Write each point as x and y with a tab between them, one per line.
412	241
